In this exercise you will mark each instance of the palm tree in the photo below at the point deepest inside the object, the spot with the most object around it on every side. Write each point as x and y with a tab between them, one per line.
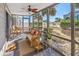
57	19
67	18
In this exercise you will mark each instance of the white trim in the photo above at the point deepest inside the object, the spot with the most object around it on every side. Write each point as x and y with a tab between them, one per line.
7	9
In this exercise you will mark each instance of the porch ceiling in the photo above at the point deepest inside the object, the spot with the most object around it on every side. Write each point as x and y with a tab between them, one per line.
21	8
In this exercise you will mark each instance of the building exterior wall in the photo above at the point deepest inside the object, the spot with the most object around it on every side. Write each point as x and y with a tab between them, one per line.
2	25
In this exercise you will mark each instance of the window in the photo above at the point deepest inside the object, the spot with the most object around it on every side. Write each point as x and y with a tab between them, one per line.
60	27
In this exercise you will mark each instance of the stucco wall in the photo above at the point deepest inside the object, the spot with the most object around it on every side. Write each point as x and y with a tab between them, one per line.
2	25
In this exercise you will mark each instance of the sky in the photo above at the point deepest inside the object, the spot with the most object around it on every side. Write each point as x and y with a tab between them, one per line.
61	9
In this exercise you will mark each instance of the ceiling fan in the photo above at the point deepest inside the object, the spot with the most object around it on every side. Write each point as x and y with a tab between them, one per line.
30	9
34	10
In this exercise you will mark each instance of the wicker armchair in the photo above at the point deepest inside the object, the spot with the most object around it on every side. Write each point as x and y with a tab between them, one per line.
35	42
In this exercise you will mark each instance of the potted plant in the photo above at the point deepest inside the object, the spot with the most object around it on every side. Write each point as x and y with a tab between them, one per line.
44	12
52	11
47	34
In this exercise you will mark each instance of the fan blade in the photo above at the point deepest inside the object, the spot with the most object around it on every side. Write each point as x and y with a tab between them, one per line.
34	10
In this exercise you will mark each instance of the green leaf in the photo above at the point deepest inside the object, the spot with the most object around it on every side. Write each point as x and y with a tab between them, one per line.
44	12
77	5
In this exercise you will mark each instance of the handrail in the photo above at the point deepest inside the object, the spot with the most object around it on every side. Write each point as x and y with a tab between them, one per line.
55	49
60	38
64	38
